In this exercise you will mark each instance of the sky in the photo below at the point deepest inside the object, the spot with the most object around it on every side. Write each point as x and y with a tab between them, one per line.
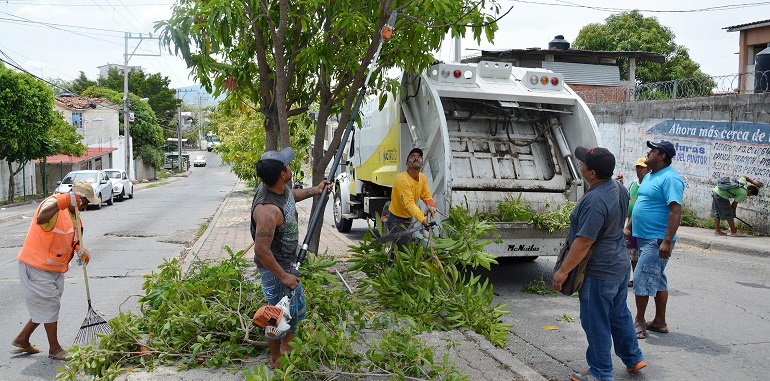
60	38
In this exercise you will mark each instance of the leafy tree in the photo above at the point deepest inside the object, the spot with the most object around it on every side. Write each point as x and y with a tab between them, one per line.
282	56
242	138
81	83
631	31
161	98
146	133
30	127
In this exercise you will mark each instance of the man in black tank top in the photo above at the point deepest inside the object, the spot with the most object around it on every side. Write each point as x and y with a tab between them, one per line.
276	238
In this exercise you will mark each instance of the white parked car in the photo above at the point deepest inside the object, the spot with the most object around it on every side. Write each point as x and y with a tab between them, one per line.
200	161
121	185
98	179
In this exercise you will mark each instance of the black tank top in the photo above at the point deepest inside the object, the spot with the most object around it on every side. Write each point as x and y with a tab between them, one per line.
286	237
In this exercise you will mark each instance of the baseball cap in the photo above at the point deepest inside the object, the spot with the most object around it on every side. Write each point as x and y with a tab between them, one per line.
598	159
664	146
285	156
641	162
84	189
273	162
417	150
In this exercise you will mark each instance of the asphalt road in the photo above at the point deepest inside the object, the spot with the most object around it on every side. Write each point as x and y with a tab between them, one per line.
717	315
127	240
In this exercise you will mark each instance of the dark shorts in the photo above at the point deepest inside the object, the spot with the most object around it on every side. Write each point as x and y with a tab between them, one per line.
721	208
633	248
398	224
274	290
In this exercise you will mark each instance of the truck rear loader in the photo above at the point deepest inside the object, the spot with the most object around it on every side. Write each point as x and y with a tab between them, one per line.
489	131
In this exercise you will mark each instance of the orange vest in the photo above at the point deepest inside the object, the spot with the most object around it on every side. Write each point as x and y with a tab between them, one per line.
49	251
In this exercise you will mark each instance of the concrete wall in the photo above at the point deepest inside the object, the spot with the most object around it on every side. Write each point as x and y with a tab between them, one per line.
714	136
144	171
5	175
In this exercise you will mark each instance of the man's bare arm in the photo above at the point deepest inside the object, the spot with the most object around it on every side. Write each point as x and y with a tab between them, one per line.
674	219
301	194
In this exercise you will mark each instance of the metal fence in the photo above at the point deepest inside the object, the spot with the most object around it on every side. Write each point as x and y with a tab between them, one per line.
705	86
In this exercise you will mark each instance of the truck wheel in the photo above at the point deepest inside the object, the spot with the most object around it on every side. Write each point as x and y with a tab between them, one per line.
342	224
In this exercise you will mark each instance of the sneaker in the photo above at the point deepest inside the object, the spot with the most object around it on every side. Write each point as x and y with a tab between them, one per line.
583	376
637	367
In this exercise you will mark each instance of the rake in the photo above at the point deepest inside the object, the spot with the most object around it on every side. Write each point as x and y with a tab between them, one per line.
93	324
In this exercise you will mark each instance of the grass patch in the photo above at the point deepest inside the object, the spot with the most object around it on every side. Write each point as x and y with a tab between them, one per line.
20	199
154	185
202	229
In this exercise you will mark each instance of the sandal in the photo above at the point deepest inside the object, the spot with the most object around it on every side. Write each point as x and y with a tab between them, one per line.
657	328
29	348
60	355
641	332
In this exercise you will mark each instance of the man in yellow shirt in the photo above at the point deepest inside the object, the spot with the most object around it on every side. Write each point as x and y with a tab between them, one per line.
408	187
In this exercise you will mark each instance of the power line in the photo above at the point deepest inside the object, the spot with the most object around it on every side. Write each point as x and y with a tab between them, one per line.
562	3
101	8
133	15
12	2
21	55
23	19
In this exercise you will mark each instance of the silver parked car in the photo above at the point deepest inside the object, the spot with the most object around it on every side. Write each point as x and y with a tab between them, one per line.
98	179
121	185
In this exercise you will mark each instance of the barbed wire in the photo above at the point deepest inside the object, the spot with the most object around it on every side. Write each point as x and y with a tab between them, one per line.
703	86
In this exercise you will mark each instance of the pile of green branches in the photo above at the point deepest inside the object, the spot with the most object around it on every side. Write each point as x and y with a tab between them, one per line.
434	284
514	209
203	318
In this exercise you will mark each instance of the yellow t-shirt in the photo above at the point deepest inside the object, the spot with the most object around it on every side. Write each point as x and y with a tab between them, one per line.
406	192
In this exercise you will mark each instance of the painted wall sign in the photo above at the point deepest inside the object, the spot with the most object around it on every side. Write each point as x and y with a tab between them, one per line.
739	132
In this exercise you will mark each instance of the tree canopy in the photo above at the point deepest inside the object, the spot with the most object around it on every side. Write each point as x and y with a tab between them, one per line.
80	84
282	56
631	31
30	127
161	98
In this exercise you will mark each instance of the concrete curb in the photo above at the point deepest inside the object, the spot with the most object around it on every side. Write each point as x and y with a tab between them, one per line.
504	357
744	248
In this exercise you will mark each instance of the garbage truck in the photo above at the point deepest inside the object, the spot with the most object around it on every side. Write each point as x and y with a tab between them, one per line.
489	131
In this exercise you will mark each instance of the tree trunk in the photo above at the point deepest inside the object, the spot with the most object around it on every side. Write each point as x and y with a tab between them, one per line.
12	181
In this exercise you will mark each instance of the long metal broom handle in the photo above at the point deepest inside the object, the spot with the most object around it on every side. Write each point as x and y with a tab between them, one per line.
80	239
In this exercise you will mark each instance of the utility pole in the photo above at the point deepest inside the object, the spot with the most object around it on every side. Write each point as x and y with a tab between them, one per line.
126	57
179	125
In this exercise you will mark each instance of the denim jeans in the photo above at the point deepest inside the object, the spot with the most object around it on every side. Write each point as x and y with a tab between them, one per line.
650	274
607	321
274	290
